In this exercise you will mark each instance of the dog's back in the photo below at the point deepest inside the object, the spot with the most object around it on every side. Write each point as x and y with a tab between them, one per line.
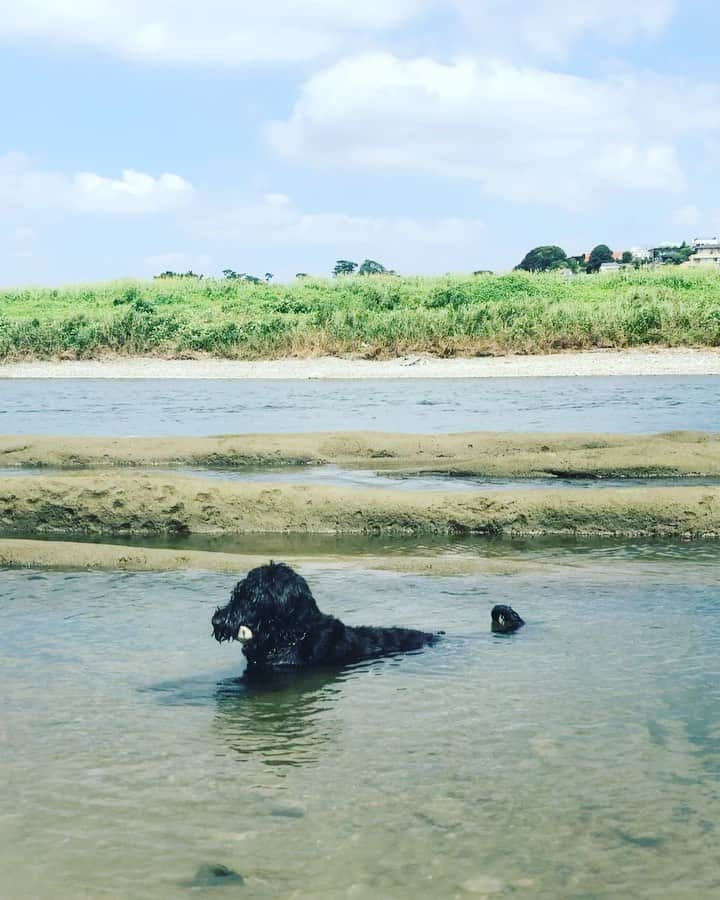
333	642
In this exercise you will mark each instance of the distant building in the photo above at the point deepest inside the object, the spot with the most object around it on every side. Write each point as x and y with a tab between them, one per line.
660	253
706	252
642	254
611	267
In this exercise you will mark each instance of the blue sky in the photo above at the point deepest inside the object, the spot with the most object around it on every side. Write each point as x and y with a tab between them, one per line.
432	135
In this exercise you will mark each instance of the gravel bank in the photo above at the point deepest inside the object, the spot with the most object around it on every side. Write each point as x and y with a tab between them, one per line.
596	362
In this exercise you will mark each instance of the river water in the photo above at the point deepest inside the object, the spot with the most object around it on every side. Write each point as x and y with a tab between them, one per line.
198	407
577	758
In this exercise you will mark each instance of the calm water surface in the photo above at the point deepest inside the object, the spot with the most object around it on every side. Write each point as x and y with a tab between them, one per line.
610	552
181	407
579	758
366	478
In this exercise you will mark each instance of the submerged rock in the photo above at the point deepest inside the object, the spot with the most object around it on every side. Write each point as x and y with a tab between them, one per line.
484	885
288	810
214	875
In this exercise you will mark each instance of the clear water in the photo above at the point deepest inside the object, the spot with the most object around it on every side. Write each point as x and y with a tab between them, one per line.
613	552
337	476
365	478
579	758
182	407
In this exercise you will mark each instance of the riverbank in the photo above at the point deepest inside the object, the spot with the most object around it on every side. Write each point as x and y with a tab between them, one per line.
379	317
494	455
137	503
73	555
629	363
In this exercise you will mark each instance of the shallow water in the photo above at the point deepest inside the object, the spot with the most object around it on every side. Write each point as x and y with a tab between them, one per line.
578	758
700	555
337	476
197	407
362	478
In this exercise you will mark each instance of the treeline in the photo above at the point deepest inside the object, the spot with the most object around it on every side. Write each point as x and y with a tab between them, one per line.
342	267
550	257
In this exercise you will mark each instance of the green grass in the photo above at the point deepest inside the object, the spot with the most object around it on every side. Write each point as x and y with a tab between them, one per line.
373	316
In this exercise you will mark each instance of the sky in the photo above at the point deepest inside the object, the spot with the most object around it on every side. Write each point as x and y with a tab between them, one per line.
434	136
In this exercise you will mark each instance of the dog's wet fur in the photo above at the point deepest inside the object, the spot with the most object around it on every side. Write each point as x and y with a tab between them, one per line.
505	620
276	606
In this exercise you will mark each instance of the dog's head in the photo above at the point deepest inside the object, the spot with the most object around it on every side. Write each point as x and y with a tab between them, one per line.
505	620
269	611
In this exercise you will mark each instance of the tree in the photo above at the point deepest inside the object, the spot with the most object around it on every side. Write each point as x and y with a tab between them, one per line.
627	257
370	267
574	263
302	275
676	255
599	255
344	267
232	275
540	259
269	277
170	274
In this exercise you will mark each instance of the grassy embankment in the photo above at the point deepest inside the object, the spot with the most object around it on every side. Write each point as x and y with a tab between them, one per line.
373	316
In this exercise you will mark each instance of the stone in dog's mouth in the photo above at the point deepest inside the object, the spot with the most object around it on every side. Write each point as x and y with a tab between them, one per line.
244	634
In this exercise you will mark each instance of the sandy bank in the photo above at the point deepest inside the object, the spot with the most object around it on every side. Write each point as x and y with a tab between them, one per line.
16	553
480	453
596	362
155	503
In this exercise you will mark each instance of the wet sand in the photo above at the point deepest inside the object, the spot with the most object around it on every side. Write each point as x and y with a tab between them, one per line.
685	361
20	553
123	502
509	455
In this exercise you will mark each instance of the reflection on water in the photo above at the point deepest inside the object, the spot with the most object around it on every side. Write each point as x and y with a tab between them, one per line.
158	406
578	758
366	478
336	475
281	721
699	553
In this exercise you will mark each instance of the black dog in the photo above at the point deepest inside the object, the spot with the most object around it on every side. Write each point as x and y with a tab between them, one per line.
505	620
274	614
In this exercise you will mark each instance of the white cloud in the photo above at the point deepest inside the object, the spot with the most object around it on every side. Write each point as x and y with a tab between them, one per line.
521	132
548	28
245	32
134	193
703	222
687	215
215	32
275	219
24	234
